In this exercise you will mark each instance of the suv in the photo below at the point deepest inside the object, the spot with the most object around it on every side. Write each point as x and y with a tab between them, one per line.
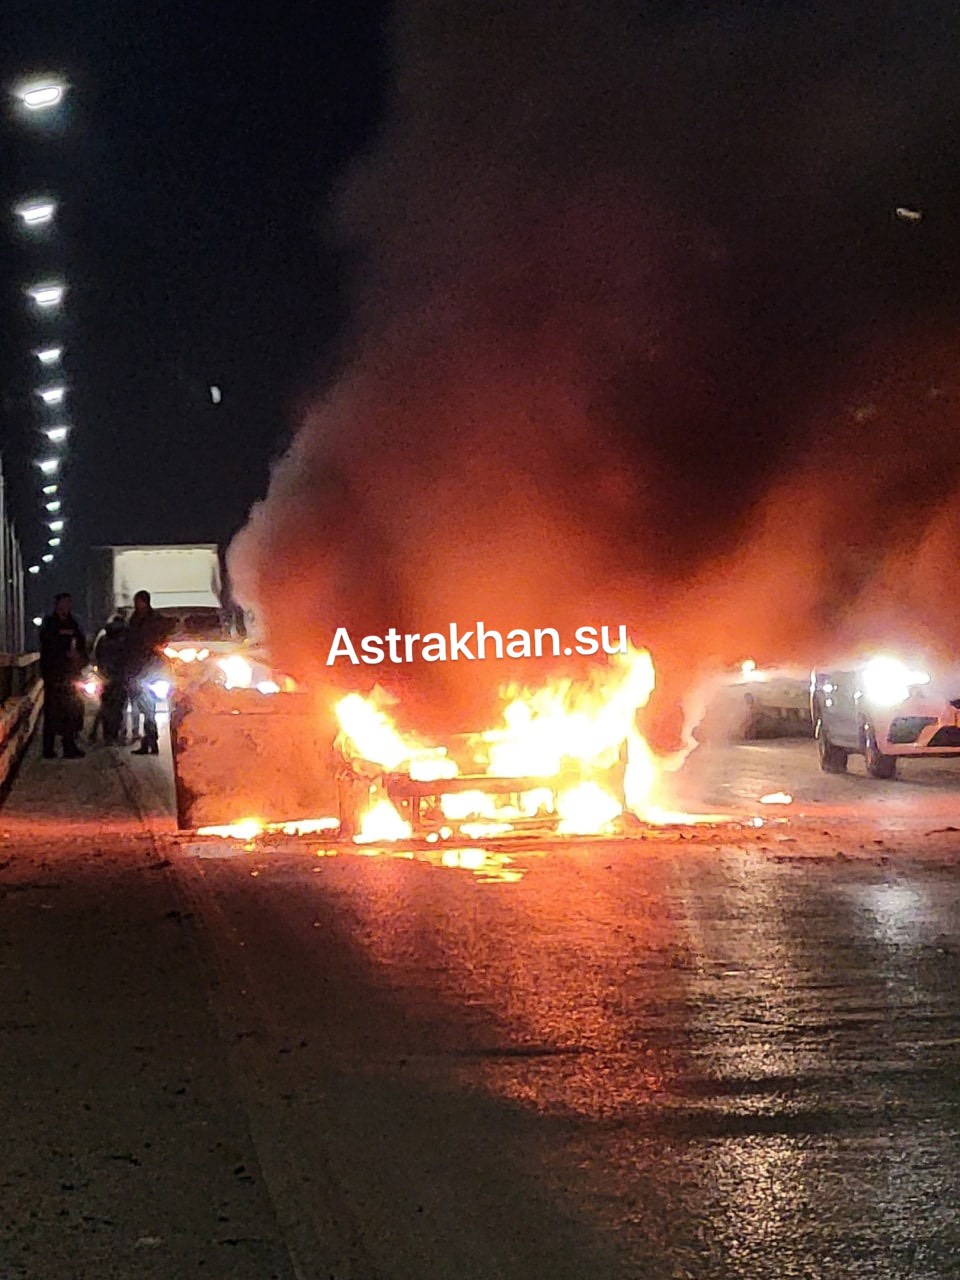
883	709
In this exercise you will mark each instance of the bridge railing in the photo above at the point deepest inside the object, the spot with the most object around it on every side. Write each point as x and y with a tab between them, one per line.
18	673
21	699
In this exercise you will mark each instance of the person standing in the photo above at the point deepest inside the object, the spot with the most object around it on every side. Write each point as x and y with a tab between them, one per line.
146	633
110	655
63	655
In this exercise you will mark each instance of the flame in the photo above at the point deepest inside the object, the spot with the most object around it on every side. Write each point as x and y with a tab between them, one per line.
586	722
587	810
382	822
246	829
309	826
250	828
655	816
579	737
459	805
374	738
485	830
640	775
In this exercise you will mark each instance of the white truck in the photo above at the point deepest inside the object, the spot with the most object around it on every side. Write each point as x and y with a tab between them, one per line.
184	581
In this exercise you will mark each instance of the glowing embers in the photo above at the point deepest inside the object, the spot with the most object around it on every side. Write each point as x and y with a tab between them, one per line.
473	806
486	864
248	829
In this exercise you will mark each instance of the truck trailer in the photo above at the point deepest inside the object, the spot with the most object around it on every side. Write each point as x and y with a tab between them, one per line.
184	581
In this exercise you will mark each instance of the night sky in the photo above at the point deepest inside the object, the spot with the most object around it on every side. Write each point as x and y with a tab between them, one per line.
194	159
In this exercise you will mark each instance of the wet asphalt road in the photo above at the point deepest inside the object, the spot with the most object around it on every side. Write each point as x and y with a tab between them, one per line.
735	1054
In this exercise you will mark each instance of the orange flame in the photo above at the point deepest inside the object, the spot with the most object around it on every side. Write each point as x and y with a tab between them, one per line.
382	822
580	738
251	828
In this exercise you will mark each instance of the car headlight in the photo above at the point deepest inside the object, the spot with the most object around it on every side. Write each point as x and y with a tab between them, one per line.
888	681
238	672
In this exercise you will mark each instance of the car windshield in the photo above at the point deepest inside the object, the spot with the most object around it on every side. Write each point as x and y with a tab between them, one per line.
198	626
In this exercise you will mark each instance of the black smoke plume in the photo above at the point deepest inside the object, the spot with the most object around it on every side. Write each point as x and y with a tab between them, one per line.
641	338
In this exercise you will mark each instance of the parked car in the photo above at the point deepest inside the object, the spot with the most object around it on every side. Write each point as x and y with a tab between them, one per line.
885	710
750	702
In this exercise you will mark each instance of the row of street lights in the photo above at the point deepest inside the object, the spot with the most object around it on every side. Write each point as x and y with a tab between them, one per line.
36	215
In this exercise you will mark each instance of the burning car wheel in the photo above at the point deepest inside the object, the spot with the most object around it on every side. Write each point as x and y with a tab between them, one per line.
878	765
832	759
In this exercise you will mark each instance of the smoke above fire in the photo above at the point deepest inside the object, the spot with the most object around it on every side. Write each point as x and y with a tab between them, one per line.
640	337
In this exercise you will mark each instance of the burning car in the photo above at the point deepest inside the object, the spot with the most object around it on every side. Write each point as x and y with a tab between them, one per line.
886	710
565	757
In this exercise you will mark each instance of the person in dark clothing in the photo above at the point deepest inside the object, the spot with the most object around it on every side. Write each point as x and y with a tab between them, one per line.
110	656
146	633
63	655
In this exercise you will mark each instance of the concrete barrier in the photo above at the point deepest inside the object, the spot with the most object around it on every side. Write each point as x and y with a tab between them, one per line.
21	701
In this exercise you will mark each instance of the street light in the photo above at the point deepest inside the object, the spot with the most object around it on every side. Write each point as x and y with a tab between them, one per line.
49	466
53	507
36	212
34	568
55	525
38	621
52	395
47	558
47	295
49	355
56	435
49	488
53	542
40	95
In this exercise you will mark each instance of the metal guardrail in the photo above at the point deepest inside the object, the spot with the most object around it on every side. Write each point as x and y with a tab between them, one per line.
12	581
19	672
19	712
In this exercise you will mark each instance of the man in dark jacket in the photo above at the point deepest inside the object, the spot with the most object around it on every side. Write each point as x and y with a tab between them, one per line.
110	656
147	632
63	655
